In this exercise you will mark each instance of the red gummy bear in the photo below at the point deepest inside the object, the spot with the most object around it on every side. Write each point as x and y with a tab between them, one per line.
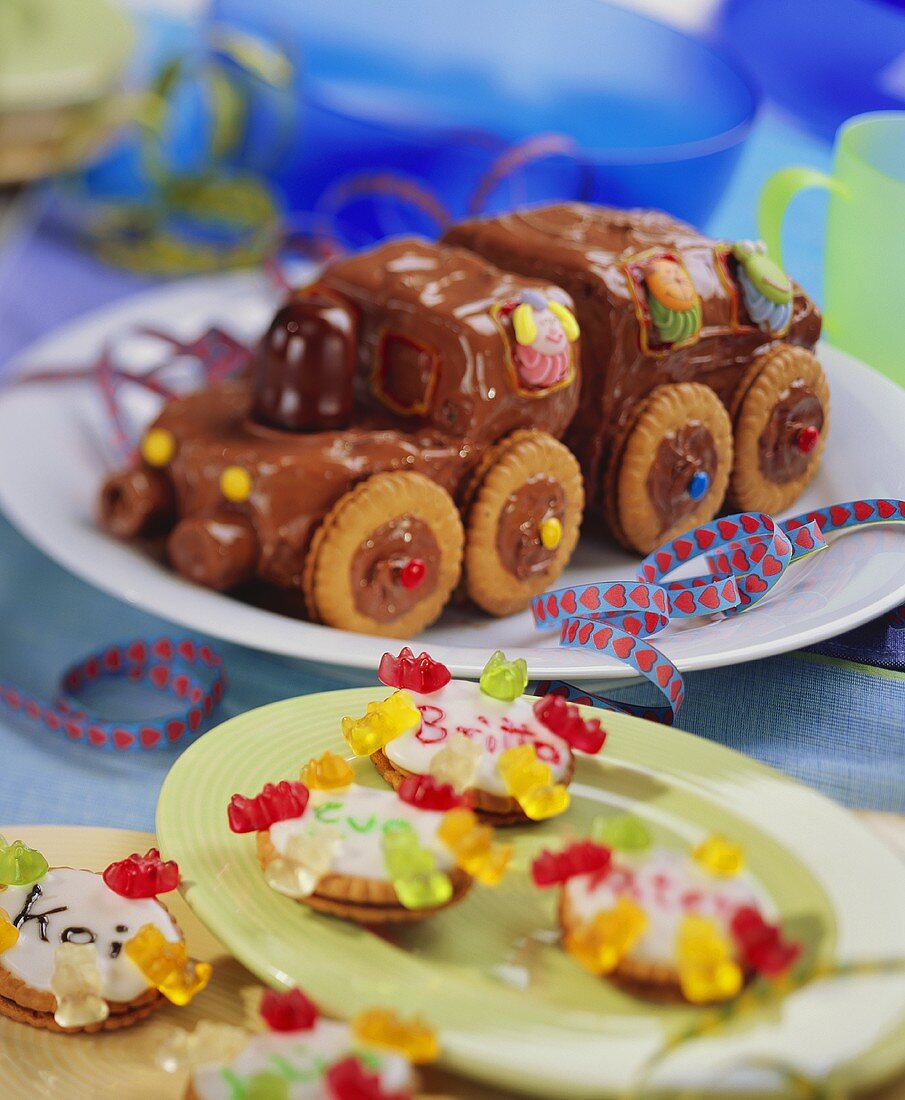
142	876
582	858
564	719
277	802
760	944
349	1080
289	1011
426	793
421	674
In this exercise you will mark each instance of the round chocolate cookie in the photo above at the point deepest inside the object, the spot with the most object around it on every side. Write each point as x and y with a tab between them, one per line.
671	472
781	418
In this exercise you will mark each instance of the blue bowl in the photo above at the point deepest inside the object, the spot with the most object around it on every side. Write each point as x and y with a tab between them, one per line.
408	109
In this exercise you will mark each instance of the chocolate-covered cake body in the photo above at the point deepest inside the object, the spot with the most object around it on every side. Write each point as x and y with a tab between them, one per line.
661	305
343	465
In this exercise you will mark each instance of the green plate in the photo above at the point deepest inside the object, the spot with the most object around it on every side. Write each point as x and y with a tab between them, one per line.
510	1006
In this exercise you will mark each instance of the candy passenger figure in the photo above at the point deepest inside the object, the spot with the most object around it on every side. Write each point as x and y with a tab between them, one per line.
543	329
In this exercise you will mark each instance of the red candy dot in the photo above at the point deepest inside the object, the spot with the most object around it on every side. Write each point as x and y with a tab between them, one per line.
289	1011
277	802
806	440
421	674
582	858
412	573
142	876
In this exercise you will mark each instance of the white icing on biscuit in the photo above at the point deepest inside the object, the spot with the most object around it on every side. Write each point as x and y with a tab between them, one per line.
668	886
301	1058
494	723
72	906
360	815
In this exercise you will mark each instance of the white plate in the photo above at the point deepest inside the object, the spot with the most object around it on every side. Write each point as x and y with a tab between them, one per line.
54	451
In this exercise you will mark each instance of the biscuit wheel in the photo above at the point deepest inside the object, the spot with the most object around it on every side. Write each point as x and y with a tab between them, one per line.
680	432
523	521
386	557
781	416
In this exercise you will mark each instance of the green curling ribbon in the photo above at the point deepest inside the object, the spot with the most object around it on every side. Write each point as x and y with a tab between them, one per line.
674	326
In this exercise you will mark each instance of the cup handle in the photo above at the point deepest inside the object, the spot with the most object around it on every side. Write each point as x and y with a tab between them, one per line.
778	192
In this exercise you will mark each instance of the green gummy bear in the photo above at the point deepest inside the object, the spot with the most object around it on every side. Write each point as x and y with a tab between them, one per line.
423	891
266	1085
503	679
20	865
625	833
403	855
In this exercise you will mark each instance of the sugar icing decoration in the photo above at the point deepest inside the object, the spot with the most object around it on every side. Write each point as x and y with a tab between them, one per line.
766	289
142	876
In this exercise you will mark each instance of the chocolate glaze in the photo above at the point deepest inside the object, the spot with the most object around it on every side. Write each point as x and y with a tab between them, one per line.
377	562
418	294
778	454
518	541
680	455
581	247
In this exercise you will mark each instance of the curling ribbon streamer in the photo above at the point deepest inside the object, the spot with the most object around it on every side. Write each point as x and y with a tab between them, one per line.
187	669
747	554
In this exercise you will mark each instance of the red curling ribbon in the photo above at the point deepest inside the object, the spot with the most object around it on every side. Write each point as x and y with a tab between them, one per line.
747	556
186	669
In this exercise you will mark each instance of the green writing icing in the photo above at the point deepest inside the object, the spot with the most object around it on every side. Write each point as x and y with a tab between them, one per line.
330	813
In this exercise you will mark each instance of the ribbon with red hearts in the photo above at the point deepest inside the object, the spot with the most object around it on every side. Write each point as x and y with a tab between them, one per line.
187	669
747	554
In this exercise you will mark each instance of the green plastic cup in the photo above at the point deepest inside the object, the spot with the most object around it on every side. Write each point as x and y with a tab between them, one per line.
864	252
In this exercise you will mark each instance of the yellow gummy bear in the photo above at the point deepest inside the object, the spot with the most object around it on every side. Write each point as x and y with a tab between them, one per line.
384	720
707	970
383	1028
530	783
77	985
457	762
602	943
328	772
720	856
9	933
472	846
166	965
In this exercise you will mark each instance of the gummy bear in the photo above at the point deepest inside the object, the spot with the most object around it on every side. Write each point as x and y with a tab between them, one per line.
166	966
625	833
581	858
142	876
349	1080
266	1085
277	802
328	772
602	943
707	971
381	1027
413	870
20	865
77	985
383	721
457	762
288	1011
181	1051
427	793
720	856
760	944
9	933
504	679
421	674
529	782
472	846
307	857
565	720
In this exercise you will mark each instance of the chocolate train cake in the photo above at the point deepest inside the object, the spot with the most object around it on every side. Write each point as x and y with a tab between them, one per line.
699	382
408	427
396	438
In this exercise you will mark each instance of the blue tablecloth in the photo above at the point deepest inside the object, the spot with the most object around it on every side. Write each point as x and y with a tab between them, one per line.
835	720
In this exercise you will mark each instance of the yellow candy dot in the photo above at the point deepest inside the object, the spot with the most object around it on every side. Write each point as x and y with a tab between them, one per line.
236	484
158	447
551	533
720	857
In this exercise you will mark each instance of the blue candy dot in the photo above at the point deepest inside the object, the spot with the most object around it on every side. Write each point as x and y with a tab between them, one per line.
698	485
